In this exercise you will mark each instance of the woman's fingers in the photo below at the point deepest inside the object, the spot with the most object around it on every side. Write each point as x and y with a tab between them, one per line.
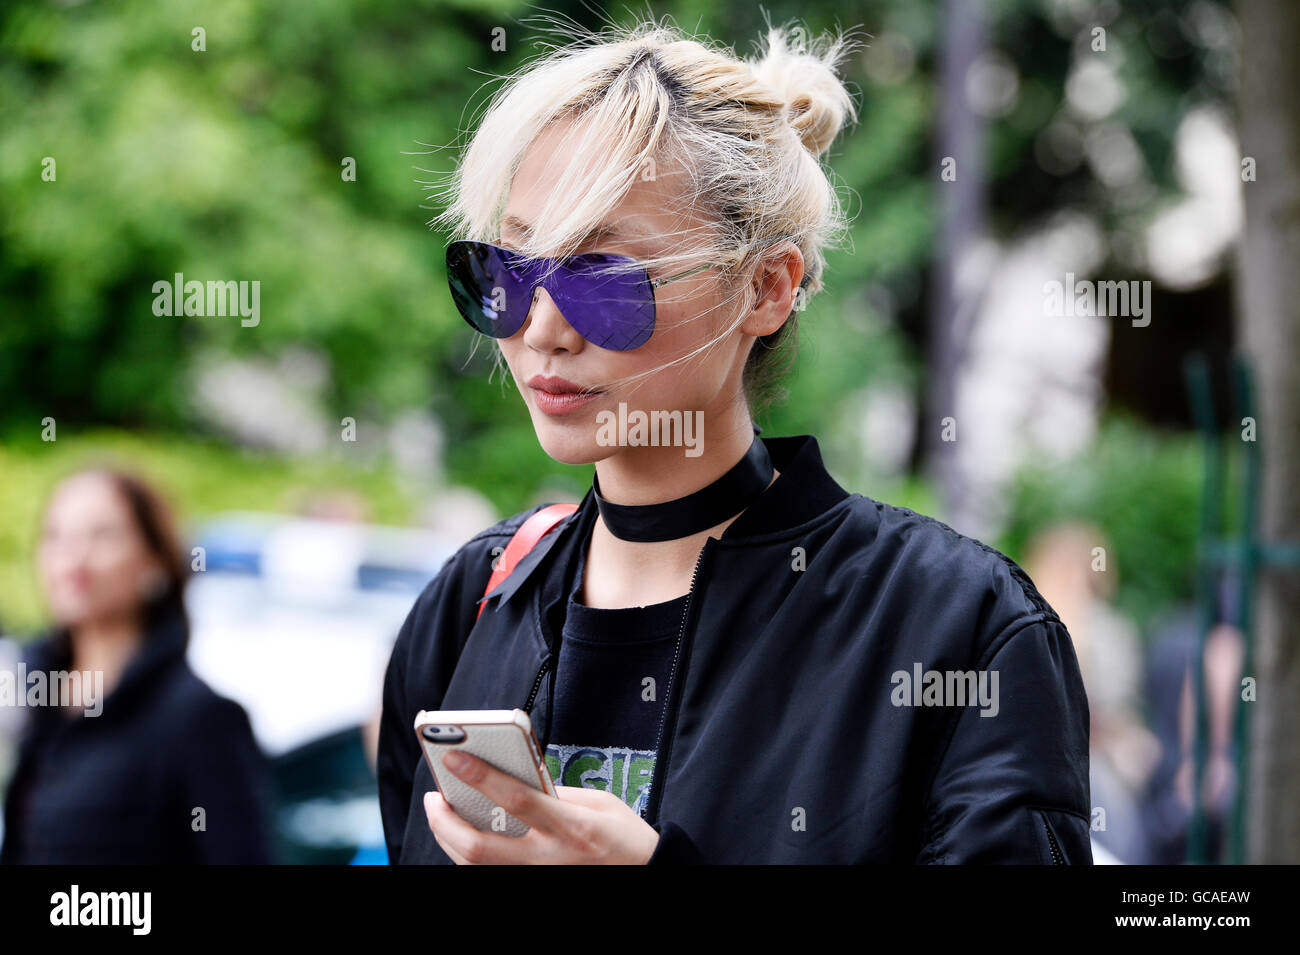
465	844
590	826
530	806
437	810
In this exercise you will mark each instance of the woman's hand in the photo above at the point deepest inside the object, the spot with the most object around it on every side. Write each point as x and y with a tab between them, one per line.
582	826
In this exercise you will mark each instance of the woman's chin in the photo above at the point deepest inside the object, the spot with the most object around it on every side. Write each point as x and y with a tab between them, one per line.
572	450
569	442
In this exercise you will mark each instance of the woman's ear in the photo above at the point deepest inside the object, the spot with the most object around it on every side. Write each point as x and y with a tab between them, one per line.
776	288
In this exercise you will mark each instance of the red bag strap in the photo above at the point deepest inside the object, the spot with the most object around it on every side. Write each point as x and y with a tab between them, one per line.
524	540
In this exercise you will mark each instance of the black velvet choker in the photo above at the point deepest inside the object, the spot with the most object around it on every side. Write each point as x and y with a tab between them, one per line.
708	507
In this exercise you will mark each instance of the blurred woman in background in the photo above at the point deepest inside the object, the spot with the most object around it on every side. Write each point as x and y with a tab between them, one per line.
136	760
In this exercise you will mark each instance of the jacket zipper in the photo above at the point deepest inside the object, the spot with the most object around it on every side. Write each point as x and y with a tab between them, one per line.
1057	858
663	748
532	694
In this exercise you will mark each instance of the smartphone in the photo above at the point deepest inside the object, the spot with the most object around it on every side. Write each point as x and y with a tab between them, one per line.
502	738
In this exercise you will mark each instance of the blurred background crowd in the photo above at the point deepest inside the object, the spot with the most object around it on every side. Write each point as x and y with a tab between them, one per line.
315	470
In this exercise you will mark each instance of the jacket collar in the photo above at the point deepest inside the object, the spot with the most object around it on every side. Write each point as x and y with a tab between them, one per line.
165	641
804	491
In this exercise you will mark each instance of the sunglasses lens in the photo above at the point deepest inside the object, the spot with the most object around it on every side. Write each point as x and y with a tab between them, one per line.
493	290
610	307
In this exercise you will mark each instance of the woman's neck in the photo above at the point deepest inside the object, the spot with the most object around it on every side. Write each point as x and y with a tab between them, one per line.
652	475
105	645
621	573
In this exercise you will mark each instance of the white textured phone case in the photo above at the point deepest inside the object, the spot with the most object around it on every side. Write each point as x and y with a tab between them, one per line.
503	739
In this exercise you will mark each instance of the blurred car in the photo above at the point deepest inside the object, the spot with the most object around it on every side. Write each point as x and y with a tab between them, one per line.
294	619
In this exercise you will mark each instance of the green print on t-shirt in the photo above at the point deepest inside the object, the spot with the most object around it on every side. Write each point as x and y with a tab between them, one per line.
615	769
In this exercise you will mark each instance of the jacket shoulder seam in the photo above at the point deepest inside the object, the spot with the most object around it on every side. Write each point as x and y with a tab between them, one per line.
1017	573
1012	630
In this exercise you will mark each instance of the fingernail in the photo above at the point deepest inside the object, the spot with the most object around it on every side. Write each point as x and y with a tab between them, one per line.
455	760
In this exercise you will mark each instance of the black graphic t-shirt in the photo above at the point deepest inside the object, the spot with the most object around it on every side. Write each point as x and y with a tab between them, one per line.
610	681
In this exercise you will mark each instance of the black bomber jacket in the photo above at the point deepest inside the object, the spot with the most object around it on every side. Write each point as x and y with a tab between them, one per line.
853	683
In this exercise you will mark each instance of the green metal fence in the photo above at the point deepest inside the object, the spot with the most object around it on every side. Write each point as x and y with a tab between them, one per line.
1235	551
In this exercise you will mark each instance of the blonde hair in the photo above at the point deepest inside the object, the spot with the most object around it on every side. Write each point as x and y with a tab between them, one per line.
746	132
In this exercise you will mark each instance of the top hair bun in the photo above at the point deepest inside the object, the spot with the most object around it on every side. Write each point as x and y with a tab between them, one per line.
802	71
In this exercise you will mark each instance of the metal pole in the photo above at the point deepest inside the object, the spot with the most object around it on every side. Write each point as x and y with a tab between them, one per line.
1245	604
1198	386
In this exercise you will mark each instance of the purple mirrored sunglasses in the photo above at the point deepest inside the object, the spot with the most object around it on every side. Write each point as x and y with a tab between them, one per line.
608	299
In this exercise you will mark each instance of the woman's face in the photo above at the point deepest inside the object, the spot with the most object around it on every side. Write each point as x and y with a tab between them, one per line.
689	313
94	564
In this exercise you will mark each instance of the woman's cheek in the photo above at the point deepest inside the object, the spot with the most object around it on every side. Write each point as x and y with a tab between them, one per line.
119	583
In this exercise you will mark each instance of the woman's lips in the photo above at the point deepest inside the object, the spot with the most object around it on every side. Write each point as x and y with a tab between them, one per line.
557	396
559	404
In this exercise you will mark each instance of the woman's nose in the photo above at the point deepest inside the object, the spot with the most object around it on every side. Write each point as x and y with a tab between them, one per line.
546	329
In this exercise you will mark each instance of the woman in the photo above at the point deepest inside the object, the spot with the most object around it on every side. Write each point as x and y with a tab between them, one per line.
136	760
727	656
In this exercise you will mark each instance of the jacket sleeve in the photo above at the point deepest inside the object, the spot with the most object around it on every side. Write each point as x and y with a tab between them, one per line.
229	777
396	755
674	848
1012	786
419	670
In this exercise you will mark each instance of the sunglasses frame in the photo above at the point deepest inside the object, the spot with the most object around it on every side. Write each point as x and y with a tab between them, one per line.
656	283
